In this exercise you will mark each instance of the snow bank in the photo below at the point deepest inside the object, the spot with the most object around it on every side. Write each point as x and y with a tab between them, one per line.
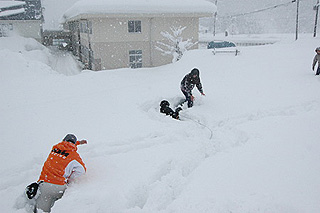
35	54
250	145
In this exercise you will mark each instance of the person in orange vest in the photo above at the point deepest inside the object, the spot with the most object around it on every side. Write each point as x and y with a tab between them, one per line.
62	166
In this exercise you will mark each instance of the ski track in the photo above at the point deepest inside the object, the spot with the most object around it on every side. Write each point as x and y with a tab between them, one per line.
285	111
172	177
166	185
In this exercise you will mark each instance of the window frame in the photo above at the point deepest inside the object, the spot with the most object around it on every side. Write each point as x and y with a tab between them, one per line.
134	26
86	27
135	59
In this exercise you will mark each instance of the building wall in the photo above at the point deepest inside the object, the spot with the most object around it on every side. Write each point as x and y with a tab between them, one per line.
26	28
111	42
163	24
116	54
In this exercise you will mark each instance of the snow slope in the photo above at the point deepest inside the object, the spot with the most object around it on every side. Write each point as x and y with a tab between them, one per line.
251	145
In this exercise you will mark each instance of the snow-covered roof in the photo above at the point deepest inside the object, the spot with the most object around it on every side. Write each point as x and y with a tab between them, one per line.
11	12
8	4
85	7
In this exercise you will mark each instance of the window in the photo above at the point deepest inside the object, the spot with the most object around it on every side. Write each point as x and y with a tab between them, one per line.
134	26
5	29
135	58
57	42
85	52
87	57
86	27
90	27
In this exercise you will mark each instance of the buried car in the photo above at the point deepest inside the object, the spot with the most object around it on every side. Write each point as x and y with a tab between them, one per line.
223	47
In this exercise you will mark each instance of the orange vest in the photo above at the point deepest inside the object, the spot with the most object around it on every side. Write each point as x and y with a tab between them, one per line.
61	163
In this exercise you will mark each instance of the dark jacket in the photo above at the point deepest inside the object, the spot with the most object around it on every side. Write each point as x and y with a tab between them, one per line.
316	60
168	111
188	83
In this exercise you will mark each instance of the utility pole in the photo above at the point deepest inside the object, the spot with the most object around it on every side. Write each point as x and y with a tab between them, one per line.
215	20
316	8
297	20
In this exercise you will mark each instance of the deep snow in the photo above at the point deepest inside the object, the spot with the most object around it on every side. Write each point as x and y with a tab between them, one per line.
261	107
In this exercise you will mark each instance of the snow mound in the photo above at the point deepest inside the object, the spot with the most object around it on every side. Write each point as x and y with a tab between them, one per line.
32	55
250	145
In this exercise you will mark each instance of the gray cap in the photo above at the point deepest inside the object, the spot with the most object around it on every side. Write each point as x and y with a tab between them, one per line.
70	138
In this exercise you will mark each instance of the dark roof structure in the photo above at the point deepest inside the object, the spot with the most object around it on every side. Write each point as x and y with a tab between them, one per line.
21	10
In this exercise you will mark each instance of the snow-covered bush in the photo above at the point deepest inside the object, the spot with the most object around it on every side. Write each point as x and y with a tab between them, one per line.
175	44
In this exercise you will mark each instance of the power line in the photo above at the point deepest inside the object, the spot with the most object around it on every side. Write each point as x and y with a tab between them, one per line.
258	11
297	19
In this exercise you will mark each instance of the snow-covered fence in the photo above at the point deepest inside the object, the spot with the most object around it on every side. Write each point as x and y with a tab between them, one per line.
253	43
241	43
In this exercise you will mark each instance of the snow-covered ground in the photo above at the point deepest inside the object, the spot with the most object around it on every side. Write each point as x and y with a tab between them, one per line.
250	145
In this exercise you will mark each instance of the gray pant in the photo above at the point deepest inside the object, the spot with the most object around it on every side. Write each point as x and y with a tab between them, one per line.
49	193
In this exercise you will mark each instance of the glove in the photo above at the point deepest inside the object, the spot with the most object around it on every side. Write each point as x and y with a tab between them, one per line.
81	142
31	190
203	94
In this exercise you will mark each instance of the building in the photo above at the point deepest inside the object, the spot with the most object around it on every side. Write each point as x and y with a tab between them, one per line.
125	33
21	17
58	38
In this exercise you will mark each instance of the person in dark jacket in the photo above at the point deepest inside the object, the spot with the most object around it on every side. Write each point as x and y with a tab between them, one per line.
316	60
187	84
165	108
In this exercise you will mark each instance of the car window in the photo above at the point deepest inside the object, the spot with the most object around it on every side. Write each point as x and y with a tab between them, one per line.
220	44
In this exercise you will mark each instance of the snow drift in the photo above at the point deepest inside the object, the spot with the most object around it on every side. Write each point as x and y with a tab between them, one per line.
251	145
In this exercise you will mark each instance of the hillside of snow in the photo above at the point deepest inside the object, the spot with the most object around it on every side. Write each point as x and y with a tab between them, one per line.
250	145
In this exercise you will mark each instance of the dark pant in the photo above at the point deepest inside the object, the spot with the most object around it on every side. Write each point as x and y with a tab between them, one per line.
318	71
188	98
